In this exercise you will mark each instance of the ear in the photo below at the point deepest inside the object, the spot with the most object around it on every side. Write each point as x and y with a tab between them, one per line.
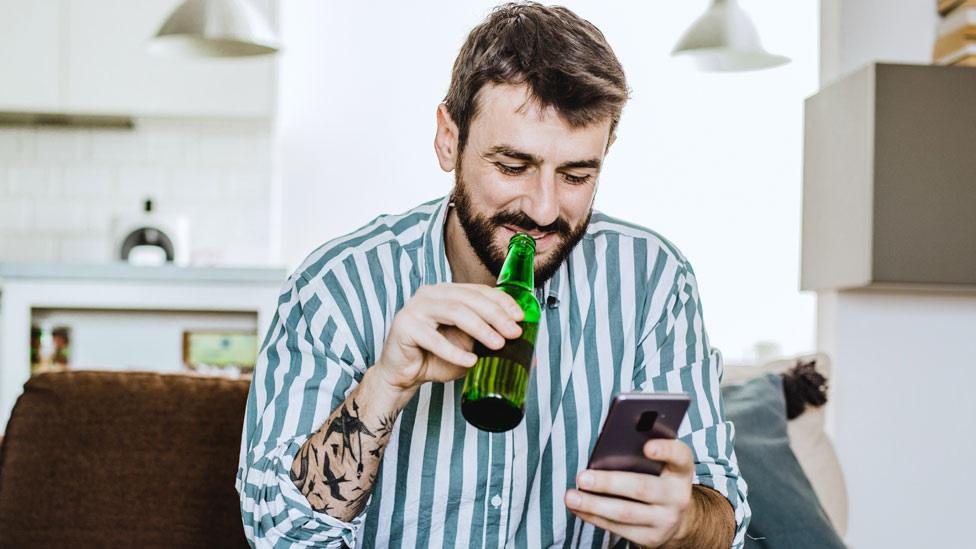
446	139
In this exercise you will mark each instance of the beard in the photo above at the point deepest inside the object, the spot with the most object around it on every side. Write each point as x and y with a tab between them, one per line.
480	231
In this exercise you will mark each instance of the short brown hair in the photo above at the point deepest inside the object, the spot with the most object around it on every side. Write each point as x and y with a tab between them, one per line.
564	59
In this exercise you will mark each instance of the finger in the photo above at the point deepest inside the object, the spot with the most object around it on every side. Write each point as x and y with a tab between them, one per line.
619	510
641	535
464	317
675	454
627	531
457	336
434	342
636	486
494	313
660	518
502	299
494	306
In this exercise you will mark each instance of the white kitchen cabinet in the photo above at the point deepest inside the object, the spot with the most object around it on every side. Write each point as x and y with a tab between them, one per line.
109	69
30	55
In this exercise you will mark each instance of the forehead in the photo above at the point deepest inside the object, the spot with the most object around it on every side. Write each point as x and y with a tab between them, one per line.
508	115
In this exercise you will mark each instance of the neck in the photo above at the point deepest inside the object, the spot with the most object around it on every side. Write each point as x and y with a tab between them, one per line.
466	267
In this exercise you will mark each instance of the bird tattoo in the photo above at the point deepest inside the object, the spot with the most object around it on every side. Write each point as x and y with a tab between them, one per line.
348	425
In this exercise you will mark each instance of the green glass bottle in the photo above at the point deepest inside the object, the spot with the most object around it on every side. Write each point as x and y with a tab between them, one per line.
495	387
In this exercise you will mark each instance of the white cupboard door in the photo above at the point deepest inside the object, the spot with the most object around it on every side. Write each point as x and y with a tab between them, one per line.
110	69
30	55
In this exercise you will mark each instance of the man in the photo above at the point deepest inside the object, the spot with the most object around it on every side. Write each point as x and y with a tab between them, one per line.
353	433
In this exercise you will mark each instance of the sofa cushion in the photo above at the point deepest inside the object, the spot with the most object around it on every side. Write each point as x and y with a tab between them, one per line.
785	510
808	439
122	459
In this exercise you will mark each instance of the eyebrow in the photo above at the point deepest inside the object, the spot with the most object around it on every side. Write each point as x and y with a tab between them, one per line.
512	152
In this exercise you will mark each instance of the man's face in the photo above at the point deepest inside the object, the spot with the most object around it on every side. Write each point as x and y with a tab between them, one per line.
526	170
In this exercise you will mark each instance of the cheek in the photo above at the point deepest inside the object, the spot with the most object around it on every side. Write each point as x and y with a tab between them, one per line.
491	192
576	203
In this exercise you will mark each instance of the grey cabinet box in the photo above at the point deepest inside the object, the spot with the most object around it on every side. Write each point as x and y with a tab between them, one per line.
889	180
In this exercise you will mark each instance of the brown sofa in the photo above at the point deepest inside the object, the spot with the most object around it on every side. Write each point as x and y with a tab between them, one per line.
111	459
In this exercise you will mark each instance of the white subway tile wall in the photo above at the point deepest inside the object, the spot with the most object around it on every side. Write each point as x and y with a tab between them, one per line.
62	188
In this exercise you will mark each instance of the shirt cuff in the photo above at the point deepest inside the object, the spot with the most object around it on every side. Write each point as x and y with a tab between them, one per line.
734	490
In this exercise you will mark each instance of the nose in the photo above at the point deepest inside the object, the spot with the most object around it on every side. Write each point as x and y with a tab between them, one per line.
541	200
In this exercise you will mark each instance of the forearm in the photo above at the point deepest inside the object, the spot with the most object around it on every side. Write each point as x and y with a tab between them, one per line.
710	522
336	467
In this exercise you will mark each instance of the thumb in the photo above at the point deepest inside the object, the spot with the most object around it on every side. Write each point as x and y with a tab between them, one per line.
676	456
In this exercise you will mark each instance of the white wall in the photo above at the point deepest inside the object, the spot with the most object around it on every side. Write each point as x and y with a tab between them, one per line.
710	161
901	411
60	188
854	33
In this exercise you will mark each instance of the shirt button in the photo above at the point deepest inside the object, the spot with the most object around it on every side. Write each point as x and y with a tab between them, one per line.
496	501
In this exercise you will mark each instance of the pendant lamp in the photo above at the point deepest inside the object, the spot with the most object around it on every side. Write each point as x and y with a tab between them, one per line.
724	38
215	28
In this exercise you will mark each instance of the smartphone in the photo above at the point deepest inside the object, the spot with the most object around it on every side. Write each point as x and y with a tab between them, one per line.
633	419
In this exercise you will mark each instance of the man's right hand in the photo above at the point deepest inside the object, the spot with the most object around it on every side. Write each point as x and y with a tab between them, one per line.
433	334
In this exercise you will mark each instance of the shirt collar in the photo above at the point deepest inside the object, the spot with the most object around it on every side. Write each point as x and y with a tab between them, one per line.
435	267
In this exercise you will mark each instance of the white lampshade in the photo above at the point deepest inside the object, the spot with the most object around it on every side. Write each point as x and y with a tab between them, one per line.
215	28
724	38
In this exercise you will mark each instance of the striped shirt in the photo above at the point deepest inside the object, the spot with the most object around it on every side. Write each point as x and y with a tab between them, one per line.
622	313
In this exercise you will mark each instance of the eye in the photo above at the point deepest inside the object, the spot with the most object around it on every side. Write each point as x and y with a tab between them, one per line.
510	170
577	179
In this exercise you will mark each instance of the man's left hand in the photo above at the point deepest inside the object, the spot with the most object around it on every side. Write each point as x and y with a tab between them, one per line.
657	509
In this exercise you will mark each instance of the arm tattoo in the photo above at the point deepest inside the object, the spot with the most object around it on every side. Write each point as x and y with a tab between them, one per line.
300	477
358	503
348	425
324	478
385	430
331	481
386	424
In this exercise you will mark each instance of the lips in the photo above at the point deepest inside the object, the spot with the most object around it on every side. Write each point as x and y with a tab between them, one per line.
542	240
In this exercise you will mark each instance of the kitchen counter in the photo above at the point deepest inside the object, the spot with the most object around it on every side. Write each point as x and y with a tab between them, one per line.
118	290
126	272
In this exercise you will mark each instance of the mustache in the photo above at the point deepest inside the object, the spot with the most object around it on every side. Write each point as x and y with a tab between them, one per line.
524	222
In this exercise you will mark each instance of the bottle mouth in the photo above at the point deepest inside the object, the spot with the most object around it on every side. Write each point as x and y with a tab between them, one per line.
523	238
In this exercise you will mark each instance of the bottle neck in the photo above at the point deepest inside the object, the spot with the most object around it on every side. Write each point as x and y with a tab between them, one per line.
519	267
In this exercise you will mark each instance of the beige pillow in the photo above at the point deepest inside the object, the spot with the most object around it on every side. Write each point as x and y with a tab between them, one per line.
813	448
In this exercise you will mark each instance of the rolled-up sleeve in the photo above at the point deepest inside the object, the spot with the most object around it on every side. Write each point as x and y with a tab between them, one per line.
305	368
674	355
